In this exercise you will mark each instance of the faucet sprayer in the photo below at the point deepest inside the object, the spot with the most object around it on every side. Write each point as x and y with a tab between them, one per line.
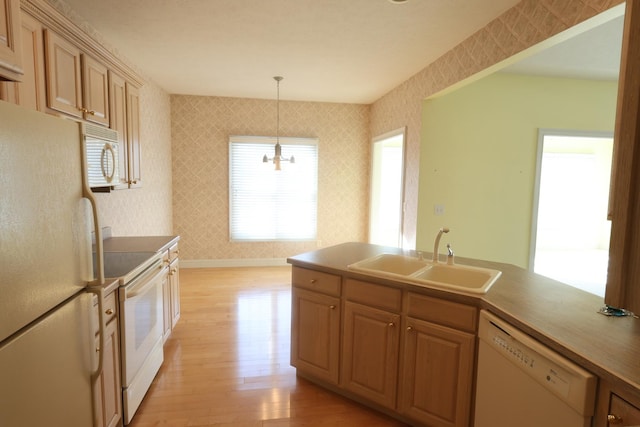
437	243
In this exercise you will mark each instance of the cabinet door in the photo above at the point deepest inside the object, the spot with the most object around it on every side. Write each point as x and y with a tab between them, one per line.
107	389
10	41
30	92
118	122
315	334
95	91
370	353
166	307
62	62
133	136
437	374
174	283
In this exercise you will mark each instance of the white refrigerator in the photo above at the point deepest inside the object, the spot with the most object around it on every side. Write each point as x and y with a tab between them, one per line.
47	344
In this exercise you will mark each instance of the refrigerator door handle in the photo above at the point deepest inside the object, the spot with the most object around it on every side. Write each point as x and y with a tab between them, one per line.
95	375
88	194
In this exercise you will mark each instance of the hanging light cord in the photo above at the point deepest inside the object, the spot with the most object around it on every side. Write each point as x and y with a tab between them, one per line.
277	79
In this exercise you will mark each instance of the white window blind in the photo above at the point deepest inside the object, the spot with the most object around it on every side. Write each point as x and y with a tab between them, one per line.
265	204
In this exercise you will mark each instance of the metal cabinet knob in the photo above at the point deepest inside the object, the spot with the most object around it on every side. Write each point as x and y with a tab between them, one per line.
409	328
312	281
332	307
614	419
108	312
391	324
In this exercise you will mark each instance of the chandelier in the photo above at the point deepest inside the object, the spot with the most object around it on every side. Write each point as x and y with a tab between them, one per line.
277	158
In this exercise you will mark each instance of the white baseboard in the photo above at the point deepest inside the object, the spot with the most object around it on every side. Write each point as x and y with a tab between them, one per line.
243	262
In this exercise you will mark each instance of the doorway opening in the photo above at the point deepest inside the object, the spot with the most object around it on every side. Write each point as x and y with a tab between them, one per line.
570	231
387	189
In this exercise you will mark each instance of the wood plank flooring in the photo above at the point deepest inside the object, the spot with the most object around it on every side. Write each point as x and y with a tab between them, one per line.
227	360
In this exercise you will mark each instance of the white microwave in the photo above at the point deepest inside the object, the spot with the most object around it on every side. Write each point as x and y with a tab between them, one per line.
100	145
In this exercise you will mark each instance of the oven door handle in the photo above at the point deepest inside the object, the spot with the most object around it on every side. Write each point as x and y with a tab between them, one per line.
143	285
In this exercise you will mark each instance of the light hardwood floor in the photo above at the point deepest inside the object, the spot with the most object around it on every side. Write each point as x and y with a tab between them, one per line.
227	361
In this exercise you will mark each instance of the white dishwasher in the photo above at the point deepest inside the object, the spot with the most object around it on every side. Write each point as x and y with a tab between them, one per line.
523	383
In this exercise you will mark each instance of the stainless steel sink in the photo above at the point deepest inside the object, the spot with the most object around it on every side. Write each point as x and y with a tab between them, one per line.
456	278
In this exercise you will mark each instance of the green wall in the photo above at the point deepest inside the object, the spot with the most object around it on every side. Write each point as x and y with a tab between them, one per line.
478	157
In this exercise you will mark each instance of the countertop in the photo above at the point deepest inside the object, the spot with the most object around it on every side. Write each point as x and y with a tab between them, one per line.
139	243
562	317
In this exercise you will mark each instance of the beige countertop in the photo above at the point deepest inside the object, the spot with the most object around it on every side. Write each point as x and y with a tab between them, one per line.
564	318
139	243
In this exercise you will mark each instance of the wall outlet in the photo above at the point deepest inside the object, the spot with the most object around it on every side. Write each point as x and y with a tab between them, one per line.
438	210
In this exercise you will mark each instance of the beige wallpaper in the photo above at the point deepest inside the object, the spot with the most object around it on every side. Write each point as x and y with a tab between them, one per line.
146	210
196	138
200	129
526	24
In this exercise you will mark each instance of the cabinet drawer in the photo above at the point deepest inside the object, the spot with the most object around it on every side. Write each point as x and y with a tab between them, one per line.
109	308
374	295
446	313
316	281
173	252
623	413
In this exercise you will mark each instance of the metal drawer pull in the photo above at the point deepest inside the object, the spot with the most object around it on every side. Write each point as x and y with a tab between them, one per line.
109	312
409	328
312	281
391	324
332	307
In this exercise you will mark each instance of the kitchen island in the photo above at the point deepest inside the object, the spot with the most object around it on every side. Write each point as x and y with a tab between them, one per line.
559	316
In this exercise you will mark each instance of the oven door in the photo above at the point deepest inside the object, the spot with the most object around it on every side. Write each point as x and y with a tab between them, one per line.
140	319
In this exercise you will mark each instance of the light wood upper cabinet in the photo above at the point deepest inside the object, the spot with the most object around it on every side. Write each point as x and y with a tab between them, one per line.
95	91
124	117
30	92
10	41
64	81
118	121
77	85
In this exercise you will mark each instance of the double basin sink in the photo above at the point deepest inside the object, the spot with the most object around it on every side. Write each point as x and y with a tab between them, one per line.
421	272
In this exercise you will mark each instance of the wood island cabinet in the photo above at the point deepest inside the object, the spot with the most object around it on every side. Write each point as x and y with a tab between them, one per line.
438	358
370	341
405	353
315	324
616	408
10	41
107	391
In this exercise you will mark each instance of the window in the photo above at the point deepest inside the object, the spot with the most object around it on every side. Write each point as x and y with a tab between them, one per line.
265	204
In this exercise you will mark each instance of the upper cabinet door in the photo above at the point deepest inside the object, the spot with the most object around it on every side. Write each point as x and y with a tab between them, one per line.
95	91
64	89
10	40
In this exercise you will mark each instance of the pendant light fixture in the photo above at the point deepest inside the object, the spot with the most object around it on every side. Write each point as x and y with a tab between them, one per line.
277	158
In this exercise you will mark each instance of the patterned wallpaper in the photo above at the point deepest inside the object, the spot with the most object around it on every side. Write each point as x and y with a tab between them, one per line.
144	211
193	132
524	25
200	129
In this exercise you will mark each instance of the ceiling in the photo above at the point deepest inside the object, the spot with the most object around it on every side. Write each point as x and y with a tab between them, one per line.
351	51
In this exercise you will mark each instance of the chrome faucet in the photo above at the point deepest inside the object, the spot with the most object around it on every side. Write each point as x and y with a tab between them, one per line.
437	243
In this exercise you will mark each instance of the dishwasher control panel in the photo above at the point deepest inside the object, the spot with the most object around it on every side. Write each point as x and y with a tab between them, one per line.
553	371
548	374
